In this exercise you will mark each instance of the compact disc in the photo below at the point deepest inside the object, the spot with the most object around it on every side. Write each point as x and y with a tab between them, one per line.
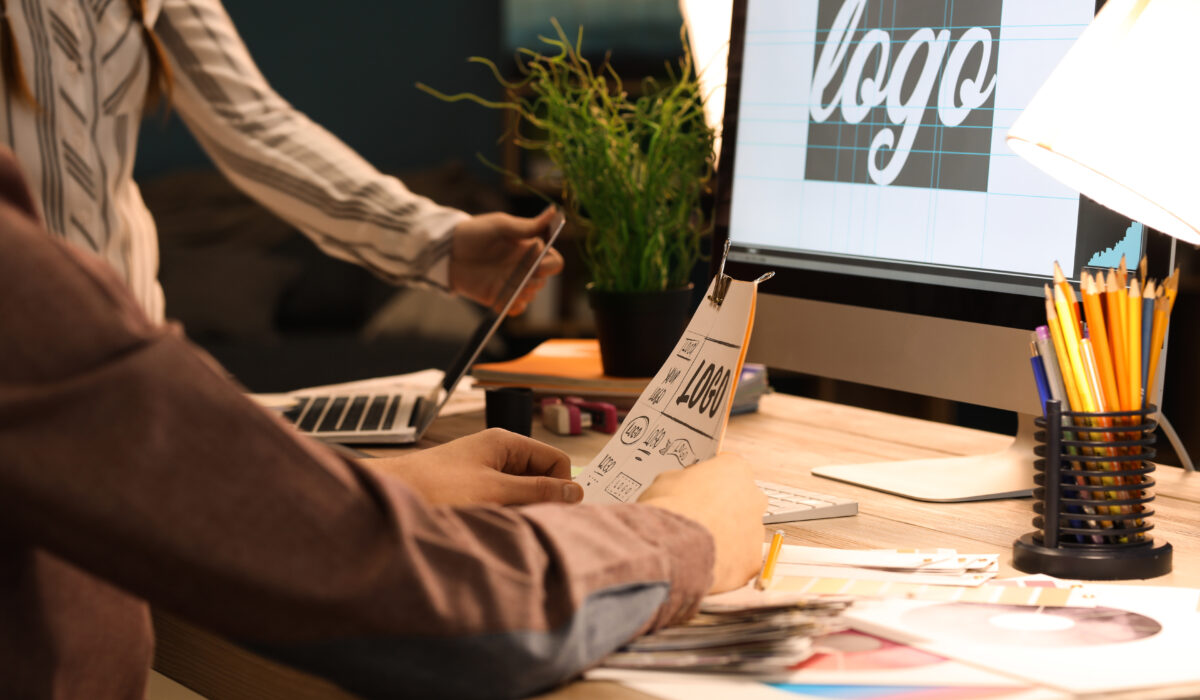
1007	625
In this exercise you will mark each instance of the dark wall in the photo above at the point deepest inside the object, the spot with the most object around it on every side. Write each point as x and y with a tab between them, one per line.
351	67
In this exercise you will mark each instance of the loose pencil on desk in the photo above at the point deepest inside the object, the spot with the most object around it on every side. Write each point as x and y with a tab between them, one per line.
1098	333
768	569
1134	340
1116	337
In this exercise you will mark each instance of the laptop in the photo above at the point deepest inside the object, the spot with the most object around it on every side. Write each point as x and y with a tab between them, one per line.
398	416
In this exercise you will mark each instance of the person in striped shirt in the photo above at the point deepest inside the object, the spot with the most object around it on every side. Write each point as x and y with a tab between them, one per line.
78	76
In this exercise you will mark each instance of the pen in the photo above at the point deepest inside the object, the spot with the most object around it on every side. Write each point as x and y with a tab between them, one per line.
768	570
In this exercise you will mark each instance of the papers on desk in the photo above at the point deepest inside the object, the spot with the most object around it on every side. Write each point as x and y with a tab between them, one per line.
761	640
940	567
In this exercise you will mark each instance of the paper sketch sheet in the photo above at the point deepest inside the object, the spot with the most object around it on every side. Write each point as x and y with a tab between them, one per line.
680	418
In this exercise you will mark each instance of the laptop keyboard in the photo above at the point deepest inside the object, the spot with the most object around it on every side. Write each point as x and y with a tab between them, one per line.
359	418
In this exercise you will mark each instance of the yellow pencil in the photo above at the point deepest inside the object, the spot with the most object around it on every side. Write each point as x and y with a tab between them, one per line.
768	569
1071	338
1060	282
1060	349
1133	339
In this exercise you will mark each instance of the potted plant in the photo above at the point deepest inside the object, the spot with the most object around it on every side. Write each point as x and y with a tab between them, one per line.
634	169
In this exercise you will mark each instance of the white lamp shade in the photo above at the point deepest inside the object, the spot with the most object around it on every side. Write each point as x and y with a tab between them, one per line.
1119	118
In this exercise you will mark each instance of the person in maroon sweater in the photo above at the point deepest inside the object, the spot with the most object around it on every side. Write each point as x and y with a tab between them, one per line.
133	472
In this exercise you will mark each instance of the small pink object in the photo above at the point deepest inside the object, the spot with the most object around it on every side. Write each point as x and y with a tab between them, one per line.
564	418
603	414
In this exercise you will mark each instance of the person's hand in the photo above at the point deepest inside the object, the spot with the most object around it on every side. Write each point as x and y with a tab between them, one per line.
720	494
492	466
486	250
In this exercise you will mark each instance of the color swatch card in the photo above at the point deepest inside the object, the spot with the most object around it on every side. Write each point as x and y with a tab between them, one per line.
680	418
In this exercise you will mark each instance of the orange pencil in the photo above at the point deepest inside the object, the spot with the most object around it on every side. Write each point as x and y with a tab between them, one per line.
1133	339
1157	337
1098	334
1122	274
1116	337
1172	285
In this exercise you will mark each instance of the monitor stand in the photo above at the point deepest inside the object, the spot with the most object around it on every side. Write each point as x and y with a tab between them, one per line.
1004	474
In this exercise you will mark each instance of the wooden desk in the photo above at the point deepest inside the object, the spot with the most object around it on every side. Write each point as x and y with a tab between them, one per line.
784	440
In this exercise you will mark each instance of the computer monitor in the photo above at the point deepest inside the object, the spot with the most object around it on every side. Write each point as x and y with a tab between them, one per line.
863	161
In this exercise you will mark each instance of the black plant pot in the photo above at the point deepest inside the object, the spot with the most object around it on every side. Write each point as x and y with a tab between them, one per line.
638	330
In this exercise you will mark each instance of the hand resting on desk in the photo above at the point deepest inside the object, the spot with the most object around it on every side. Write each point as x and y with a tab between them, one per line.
492	466
720	494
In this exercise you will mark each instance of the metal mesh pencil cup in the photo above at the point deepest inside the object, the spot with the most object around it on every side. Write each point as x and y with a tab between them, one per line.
1093	500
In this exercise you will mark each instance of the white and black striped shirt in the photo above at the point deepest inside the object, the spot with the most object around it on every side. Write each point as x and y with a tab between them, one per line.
88	66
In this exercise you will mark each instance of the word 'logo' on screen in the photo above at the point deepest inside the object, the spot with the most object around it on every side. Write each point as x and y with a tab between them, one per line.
902	93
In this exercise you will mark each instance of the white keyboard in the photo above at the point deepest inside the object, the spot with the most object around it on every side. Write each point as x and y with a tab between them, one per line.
787	504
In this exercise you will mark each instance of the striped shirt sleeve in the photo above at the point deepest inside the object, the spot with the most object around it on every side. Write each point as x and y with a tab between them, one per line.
291	165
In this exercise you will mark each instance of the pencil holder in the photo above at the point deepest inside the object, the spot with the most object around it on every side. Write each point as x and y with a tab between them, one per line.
1093	500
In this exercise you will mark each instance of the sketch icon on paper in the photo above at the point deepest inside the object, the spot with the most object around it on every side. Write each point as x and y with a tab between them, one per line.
680	449
634	429
623	487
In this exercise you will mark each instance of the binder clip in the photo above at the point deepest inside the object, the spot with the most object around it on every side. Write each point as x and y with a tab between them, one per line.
722	285
723	280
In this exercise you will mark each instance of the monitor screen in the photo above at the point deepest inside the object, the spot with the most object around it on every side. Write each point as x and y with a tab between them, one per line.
870	141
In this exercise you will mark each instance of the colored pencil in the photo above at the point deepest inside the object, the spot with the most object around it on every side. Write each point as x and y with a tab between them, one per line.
1116	337
1060	282
1098	334
1039	375
1134	339
1074	402
1147	335
1157	340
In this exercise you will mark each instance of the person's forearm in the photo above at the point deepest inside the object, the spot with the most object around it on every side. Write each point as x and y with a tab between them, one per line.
126	452
292	166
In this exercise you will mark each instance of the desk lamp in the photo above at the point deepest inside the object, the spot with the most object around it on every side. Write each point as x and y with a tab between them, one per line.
1114	119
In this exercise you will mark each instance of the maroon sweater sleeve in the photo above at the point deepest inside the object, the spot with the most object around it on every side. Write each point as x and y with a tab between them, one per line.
126	452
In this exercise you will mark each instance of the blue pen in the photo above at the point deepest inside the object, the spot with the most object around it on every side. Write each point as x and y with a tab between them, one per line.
1039	377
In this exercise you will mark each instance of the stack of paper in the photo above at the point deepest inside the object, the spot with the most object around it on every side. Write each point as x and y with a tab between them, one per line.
765	641
940	567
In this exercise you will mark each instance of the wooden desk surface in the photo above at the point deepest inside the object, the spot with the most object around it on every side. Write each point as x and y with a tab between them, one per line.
784	440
